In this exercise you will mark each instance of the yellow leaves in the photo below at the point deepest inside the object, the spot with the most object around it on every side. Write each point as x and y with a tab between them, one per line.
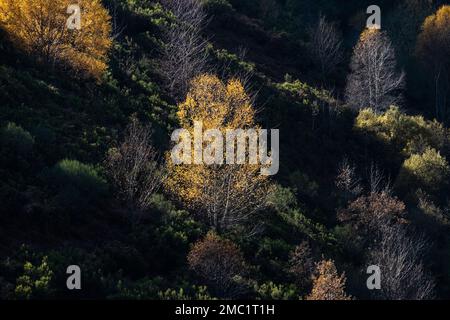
438	22
39	27
428	170
433	43
368	34
219	188
217	105
409	133
328	285
419	140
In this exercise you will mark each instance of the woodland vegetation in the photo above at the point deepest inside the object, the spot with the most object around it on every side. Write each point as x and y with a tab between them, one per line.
86	176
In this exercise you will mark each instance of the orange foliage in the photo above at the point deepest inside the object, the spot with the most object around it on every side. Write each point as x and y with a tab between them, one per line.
328	285
39	27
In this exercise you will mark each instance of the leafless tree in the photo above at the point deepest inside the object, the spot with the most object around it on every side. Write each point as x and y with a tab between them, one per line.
377	181
374	81
228	70
301	264
133	168
403	275
326	45
379	225
184	52
233	196
348	181
118	26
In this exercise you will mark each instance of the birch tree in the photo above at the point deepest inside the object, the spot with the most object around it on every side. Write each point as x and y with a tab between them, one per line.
326	46
399	257
184	52
226	196
433	47
40	28
374	81
134	170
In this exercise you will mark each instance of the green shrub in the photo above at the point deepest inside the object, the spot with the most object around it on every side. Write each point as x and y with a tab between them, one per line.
16	148
193	293
428	171
35	281
77	185
16	139
315	231
408	134
157	288
272	291
282	199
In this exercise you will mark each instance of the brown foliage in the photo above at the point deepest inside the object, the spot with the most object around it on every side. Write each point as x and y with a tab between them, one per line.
378	223
219	262
372	210
301	264
328	284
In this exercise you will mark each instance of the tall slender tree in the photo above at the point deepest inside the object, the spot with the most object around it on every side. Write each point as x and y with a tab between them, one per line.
433	47
326	46
184	51
374	81
227	196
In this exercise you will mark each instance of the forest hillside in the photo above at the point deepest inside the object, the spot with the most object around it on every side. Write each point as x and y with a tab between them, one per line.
93	92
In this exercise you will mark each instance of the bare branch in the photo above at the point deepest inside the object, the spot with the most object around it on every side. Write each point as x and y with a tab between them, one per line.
326	46
133	168
374	82
400	259
348	181
233	196
377	182
184	53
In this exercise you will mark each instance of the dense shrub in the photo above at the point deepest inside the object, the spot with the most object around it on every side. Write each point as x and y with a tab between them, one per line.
428	171
16	146
16	138
77	185
408	134
35	281
219	262
272	291
218	6
157	288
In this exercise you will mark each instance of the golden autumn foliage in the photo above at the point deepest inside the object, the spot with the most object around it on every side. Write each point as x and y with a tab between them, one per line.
328	284
39	27
433	43
228	194
433	48
216	104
